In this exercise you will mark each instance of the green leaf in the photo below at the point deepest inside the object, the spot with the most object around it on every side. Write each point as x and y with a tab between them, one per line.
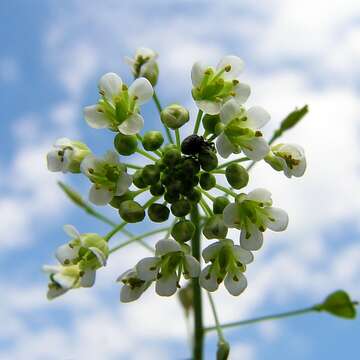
339	304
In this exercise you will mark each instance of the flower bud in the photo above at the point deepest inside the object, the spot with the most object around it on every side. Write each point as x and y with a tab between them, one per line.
237	176
223	350
215	228
190	166
194	196
131	211
207	181
158	213
152	140
171	197
150	174
174	116
339	304
183	231
138	179
208	160
219	204
171	156
180	208
125	144
210	122
157	189
117	200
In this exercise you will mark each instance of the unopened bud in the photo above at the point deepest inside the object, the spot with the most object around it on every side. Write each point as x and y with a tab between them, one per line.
219	204
181	208
151	174
125	144
183	231
223	350
208	160
175	116
215	228
158	213
210	122
237	176
152	140
207	181
131	211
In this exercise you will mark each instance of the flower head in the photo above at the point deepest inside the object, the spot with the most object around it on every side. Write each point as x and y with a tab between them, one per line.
253	214
213	86
241	131
108	175
228	262
66	155
118	107
289	158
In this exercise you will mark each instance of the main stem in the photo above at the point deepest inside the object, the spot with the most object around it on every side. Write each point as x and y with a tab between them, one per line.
197	301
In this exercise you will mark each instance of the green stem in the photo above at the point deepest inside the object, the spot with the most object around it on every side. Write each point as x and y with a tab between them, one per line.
197	123
158	106
139	237
264	318
178	142
225	190
197	302
212	198
115	230
250	166
144	153
206	207
131	166
218	171
212	137
225	164
217	322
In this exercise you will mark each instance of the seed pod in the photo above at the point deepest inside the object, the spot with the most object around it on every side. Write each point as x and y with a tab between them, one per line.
180	208
183	231
207	181
152	140
125	144
131	211
158	212
208	160
151	174
219	204
215	228
174	116
138	179
237	176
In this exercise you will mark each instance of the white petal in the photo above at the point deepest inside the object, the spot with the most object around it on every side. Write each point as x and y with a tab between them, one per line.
142	89
99	255
281	219
242	255
123	184
126	275
89	162
128	60
110	84
229	111
148	268
145	53
88	279
55	292
197	73
237	66
132	125
100	196
231	216
54	162
260	195
166	285
210	284
257	117
51	269
235	287
65	281
242	92
111	157
95	118
258	148
166	246
209	107
127	294
224	147
71	231
211	251
61	142
299	170
254	242
192	266
66	253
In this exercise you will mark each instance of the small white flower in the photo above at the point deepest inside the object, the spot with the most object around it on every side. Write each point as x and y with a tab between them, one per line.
253	214
108	175
242	131
289	158
166	267
66	155
213	86
118	108
228	262
133	286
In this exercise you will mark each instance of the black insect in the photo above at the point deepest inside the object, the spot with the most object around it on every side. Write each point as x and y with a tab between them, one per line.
195	144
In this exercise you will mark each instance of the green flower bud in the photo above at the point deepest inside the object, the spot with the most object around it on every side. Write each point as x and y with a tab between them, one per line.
180	208
160	164
237	176
190	166
158	212
171	156
174	186
131	211
207	181
208	160
339	304
210	122
175	116
171	197
215	228
219	204
194	196
117	200
183	231
157	189
223	350
138	179
151	73
125	144
152	140
151	174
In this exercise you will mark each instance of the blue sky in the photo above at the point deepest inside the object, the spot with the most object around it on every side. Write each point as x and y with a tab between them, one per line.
51	57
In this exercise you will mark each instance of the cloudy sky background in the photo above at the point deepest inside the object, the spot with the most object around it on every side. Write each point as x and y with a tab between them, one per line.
296	53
